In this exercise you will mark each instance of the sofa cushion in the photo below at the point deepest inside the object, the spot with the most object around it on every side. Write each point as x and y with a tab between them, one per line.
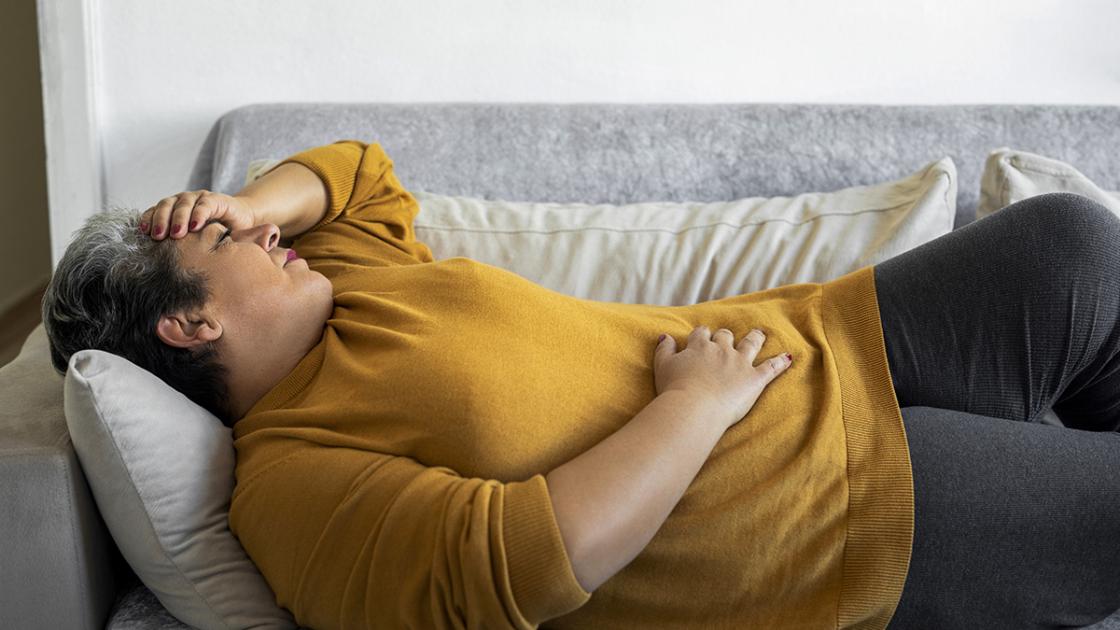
1011	175
161	469
684	253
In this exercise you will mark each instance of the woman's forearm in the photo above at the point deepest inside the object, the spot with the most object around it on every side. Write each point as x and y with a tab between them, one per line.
610	500
291	196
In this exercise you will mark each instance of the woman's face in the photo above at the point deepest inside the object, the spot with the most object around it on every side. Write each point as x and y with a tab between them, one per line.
257	294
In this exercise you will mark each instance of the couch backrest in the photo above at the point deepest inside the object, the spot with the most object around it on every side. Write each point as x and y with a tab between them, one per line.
618	153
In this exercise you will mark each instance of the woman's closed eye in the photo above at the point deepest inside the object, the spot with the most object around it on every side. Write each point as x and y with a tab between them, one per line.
223	237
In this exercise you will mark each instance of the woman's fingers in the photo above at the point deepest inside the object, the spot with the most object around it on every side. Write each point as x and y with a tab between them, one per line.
698	334
725	338
711	366
751	343
181	214
775	365
176	215
204	208
160	215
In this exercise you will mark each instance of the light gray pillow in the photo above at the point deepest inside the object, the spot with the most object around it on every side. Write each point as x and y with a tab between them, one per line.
1011	175
161	471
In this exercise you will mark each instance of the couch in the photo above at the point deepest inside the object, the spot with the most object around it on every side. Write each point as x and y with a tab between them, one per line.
59	567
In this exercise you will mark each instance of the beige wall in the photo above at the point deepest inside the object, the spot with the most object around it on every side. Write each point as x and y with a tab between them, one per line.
24	235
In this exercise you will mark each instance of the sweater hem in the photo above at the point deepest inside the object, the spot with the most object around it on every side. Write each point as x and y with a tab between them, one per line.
541	576
880	482
337	166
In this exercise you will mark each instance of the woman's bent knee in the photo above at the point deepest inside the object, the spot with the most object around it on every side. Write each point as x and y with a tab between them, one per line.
1074	227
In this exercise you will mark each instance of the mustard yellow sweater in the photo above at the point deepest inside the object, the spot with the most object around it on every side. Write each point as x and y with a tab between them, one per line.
396	476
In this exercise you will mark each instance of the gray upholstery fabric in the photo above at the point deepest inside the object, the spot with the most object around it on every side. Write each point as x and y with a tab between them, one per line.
55	552
138	609
616	153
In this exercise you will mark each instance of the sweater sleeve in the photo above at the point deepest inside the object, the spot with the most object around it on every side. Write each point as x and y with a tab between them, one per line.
367	206
350	538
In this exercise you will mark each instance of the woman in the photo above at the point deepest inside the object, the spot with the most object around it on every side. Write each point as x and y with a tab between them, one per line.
393	415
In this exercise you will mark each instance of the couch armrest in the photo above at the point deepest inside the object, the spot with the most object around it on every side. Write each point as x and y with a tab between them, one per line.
56	553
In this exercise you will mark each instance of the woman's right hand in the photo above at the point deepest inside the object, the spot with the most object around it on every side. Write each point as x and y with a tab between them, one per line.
712	367
188	211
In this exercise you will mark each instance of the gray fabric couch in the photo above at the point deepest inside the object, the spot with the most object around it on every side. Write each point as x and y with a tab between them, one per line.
59	568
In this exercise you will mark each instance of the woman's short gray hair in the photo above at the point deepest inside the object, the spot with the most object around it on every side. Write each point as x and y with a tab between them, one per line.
108	293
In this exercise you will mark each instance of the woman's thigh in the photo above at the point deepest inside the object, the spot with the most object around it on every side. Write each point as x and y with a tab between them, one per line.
1011	314
1016	525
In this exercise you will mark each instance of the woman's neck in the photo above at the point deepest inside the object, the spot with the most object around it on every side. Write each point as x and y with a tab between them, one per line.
256	368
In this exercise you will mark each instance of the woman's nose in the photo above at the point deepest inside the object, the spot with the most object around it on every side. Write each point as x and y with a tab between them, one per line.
268	235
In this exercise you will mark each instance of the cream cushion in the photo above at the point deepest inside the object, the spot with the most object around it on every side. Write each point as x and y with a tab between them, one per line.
1011	175
160	469
687	252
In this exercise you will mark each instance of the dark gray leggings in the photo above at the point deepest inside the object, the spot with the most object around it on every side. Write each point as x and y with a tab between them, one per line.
1017	523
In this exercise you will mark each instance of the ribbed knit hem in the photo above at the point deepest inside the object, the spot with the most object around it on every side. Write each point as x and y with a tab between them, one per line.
880	483
338	165
540	572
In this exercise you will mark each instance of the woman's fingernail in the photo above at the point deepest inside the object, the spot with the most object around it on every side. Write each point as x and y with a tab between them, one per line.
175	228
143	227
789	357
661	338
193	223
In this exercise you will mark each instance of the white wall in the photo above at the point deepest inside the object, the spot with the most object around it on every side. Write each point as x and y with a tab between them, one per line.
165	70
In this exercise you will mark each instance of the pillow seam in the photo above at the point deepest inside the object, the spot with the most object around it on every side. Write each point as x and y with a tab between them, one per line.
1005	192
449	228
1014	162
945	197
1017	163
929	168
148	518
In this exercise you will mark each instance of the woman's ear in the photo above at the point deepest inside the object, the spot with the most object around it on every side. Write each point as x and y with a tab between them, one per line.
187	330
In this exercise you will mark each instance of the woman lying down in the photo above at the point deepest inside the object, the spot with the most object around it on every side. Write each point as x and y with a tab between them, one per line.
443	443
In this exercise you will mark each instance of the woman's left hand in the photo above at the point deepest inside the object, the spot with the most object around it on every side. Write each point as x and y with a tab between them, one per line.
176	215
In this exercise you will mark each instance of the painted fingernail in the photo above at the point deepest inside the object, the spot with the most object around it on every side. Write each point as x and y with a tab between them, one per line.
175	228
661	338
789	357
143	227
193	223
159	230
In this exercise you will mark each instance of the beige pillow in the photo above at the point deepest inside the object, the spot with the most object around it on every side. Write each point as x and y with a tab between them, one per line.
1011	175
688	252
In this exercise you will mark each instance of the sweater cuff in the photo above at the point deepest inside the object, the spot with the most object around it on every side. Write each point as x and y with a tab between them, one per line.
540	572
337	165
